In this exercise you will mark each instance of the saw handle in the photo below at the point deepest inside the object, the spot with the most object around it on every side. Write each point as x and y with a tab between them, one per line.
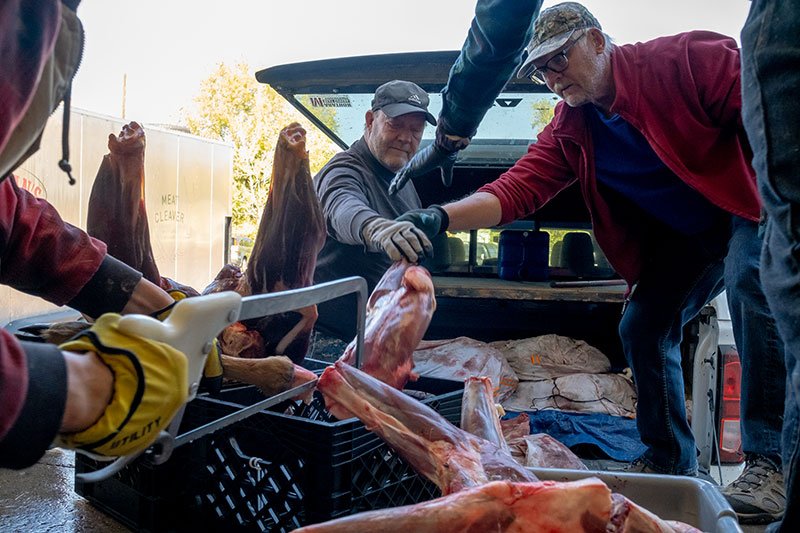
191	328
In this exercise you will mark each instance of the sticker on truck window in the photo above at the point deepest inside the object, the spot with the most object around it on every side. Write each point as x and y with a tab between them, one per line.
330	101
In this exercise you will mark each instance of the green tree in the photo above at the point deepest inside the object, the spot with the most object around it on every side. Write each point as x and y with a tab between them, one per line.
233	107
543	110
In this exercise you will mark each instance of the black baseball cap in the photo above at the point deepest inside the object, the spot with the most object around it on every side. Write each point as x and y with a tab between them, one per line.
400	97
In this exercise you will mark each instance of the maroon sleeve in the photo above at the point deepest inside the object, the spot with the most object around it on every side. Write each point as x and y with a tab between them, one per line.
41	254
535	178
33	393
28	30
716	71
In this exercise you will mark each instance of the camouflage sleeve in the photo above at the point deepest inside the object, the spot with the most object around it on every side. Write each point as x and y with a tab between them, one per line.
491	53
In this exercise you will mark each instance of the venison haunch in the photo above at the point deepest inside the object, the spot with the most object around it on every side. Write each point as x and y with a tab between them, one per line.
399	311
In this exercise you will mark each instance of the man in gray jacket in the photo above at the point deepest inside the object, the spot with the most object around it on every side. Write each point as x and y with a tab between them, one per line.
363	238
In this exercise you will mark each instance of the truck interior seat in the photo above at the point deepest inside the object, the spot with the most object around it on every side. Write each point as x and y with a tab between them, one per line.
555	255
456	247
577	253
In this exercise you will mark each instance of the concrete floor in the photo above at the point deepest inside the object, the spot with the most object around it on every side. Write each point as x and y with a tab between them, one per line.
42	498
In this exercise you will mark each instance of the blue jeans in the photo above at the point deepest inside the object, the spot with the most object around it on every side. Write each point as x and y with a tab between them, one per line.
681	276
771	112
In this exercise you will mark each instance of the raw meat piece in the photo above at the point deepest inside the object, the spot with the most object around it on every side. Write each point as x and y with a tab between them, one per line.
116	211
479	417
543	451
460	358
448	456
271	375
399	311
580	506
479	413
517	427
229	278
290	235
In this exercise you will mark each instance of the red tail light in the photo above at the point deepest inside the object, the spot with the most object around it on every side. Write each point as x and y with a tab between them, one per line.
730	433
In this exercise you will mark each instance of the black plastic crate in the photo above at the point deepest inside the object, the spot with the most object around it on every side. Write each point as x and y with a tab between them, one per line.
273	471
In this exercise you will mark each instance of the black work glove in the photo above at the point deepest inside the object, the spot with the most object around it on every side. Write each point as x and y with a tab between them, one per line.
432	221
441	154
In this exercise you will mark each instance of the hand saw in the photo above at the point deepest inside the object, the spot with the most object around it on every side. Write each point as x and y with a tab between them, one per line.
191	329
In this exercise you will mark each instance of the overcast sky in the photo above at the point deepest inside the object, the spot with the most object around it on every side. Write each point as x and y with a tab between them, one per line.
166	47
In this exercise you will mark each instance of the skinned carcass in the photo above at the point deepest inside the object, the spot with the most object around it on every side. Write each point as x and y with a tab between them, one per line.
479	413
479	416
500	506
399	311
451	458
484	488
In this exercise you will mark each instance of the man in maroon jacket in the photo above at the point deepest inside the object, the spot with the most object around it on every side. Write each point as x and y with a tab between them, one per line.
109	392
652	132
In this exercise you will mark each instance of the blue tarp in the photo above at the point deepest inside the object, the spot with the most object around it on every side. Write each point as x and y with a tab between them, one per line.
613	436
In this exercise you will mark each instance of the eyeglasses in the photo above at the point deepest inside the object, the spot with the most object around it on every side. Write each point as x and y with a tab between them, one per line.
557	63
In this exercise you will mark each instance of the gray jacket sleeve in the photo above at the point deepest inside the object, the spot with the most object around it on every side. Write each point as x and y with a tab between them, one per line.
345	205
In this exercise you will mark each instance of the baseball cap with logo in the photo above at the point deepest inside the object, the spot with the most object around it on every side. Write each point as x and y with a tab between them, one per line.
400	97
553	29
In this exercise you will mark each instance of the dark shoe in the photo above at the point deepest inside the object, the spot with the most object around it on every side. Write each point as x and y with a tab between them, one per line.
758	495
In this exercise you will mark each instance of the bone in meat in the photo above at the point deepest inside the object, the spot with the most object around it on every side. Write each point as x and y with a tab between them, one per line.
399	311
580	506
479	416
271	375
450	457
478	411
500	506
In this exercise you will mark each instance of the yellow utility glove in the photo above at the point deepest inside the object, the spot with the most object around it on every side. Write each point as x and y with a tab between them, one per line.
150	385
212	371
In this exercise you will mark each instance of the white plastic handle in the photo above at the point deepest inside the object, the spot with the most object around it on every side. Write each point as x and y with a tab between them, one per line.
190	328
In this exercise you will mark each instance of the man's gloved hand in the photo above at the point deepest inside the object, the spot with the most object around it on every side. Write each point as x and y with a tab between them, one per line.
399	239
150	385
212	371
441	153
432	221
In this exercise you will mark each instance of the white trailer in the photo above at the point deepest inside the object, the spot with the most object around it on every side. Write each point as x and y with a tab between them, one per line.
187	191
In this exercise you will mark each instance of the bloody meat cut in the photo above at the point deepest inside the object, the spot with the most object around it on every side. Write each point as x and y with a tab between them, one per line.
480	417
116	212
586	505
478	411
484	488
450	457
290	235
501	506
399	311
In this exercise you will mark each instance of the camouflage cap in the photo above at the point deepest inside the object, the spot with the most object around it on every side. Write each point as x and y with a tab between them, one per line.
553	29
